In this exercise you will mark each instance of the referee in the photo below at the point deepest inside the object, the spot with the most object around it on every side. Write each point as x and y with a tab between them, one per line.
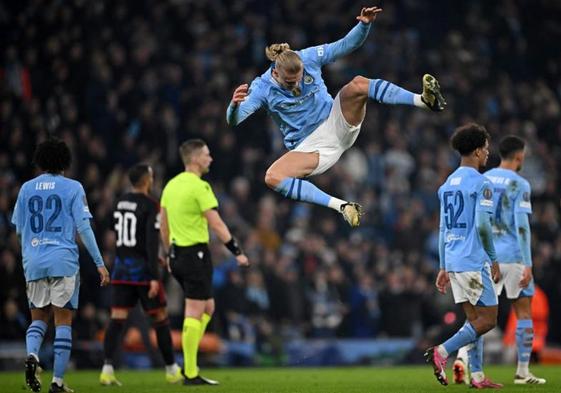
188	207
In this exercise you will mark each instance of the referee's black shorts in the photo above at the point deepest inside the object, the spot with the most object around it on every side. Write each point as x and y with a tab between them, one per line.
192	267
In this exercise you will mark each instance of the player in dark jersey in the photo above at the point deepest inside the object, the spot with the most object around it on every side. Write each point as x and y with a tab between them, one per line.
135	274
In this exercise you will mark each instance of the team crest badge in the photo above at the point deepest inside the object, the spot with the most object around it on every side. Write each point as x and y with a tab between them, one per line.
487	193
308	79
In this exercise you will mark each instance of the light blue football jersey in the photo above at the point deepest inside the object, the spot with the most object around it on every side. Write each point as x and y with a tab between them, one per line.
465	193
511	195
297	117
48	210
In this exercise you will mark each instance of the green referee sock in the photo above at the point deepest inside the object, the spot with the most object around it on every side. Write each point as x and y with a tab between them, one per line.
205	319
190	342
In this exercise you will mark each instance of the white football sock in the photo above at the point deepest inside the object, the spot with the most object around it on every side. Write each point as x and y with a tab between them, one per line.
336	203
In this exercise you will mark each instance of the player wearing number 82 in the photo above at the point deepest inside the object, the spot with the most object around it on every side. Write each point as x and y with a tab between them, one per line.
50	210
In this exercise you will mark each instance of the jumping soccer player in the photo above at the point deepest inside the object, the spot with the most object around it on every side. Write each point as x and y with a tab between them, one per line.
135	275
49	211
465	250
317	129
511	236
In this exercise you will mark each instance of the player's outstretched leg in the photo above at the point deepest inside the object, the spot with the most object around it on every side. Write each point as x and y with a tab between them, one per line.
284	176
356	93
386	92
303	190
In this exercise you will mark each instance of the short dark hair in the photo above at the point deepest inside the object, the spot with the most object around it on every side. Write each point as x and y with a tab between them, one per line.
53	155
509	145
189	147
467	138
137	173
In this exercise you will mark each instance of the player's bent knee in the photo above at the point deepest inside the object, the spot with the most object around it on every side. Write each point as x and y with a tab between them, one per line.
272	178
358	86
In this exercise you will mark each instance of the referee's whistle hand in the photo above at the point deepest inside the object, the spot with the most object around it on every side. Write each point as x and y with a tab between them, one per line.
103	276
242	260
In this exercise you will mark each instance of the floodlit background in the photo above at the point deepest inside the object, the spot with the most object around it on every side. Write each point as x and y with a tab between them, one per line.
128	81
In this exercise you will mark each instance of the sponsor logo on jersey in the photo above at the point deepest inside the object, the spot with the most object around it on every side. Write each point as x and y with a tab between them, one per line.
39	242
453	238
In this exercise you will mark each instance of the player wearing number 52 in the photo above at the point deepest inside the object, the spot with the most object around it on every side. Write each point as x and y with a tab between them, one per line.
49	210
465	251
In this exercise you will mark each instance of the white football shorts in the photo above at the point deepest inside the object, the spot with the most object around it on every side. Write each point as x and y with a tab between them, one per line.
511	274
475	287
330	139
59	291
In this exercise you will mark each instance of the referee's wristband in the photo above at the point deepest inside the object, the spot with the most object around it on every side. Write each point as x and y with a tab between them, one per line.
233	246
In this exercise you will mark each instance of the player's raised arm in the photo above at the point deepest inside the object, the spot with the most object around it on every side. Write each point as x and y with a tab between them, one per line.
245	101
352	41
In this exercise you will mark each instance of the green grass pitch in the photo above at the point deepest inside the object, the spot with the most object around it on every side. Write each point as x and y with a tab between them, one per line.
292	380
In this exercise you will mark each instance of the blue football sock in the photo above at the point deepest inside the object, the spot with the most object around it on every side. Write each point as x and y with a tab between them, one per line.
387	93
302	190
34	337
62	347
476	356
464	336
524	339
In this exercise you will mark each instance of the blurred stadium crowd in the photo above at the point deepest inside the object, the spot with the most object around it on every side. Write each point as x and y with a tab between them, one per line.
124	82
